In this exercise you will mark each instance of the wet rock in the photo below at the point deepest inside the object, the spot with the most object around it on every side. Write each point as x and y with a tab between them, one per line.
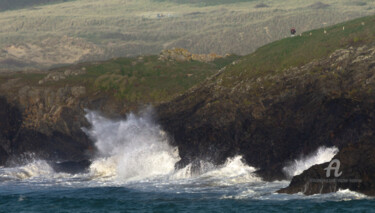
355	172
71	167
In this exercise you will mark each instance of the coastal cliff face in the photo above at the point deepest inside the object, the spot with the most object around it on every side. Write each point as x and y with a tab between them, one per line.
286	100
274	118
270	120
42	123
44	112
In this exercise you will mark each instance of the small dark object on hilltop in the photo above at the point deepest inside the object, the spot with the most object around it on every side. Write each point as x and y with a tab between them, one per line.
293	31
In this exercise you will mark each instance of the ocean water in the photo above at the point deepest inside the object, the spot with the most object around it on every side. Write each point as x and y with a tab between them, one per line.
134	172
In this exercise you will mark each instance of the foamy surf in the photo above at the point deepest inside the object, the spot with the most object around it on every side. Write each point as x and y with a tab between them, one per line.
135	153
33	170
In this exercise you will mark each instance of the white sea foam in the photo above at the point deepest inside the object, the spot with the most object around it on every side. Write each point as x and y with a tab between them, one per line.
136	149
322	155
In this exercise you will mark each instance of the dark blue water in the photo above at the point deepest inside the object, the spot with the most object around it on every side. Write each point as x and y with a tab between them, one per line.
122	199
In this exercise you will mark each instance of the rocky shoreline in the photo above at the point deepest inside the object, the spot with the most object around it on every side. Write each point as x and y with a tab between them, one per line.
323	103
269	120
356	172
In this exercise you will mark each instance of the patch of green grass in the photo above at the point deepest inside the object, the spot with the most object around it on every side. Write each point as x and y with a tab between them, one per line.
299	50
143	80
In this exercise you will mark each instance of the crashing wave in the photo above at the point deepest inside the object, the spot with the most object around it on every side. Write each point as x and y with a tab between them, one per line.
322	155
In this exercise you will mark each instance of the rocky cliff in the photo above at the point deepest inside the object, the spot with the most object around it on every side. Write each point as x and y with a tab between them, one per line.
43	113
283	101
274	118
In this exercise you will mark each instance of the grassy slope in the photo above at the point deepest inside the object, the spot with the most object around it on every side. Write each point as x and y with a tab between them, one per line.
205	2
296	51
128	28
132	81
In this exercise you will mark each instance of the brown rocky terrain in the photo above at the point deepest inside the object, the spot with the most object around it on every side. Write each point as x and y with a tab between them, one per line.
180	54
49	52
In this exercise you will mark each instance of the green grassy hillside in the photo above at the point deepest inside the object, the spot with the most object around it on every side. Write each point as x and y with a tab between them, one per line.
132	81
299	50
93	30
285	100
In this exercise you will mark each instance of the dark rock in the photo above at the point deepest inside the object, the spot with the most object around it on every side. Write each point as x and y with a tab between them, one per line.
357	167
71	167
67	142
10	120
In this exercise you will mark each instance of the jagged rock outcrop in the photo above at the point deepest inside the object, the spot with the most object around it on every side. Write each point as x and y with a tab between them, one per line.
42	122
11	120
355	172
28	134
180	54
57	76
274	118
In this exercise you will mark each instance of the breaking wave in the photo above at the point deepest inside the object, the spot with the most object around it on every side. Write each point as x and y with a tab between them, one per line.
322	155
137	149
136	153
132	149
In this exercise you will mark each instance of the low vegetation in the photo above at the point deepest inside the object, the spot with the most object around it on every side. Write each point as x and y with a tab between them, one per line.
92	30
299	50
133	81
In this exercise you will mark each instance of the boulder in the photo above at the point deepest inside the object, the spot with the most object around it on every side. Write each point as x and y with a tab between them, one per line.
356	172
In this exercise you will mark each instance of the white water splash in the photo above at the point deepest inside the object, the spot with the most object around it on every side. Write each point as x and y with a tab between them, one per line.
233	171
131	149
36	168
322	155
137	149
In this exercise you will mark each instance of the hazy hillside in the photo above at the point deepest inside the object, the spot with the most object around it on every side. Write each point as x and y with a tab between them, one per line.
89	30
18	4
205	2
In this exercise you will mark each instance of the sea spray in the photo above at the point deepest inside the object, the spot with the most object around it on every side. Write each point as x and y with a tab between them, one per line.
322	155
131	149
33	169
234	171
136	148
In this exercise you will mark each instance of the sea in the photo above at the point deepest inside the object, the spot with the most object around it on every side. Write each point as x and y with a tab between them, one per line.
134	172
